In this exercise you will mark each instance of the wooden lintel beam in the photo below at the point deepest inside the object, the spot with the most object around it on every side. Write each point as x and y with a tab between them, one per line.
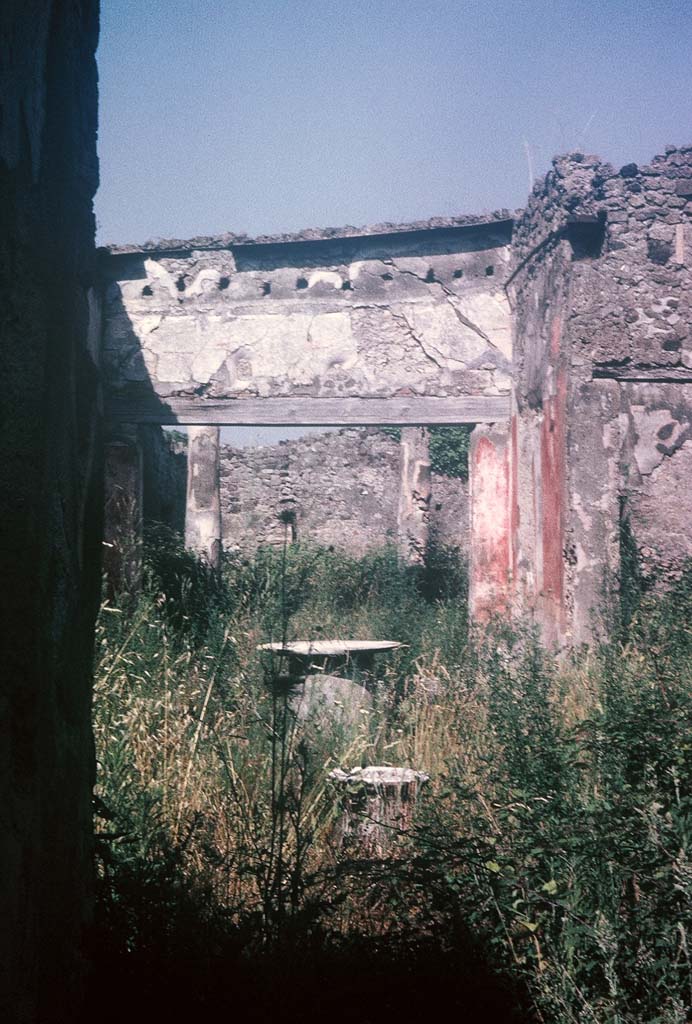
307	411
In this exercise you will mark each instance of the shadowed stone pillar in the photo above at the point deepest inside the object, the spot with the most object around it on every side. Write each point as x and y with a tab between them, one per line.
122	527
491	540
203	508
413	518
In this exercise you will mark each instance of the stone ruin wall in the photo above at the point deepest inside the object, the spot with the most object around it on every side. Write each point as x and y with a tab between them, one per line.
51	500
601	290
599	287
201	325
343	488
596	289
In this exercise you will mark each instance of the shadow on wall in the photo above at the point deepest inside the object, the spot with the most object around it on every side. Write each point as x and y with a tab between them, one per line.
123	360
350	249
164	476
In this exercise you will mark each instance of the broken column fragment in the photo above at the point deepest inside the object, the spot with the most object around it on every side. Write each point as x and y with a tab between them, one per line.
203	507
377	806
413	519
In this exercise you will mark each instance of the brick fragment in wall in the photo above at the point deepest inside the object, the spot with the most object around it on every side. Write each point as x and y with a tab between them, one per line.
658	466
660	512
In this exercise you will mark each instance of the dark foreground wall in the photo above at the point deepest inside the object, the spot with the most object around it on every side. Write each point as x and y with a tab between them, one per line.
50	502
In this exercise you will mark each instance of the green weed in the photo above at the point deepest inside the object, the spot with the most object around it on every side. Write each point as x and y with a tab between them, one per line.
556	827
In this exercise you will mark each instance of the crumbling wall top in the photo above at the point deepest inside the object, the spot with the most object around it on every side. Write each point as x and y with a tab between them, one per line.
621	242
229	239
582	186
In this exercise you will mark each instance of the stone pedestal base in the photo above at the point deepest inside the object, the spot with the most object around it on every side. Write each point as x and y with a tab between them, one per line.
377	805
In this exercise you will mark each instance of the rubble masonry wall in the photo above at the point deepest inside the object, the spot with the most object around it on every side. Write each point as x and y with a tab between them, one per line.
602	300
342	486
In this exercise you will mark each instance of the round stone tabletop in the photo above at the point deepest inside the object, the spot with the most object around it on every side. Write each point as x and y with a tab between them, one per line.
330	648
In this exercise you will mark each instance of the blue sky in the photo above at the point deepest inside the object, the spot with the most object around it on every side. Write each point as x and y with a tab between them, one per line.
272	115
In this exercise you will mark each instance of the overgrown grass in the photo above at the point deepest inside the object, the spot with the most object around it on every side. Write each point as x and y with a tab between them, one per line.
556	827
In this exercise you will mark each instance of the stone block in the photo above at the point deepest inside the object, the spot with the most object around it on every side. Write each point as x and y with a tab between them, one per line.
683	187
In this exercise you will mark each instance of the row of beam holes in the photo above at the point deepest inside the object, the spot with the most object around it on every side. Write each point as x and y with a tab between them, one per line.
489	271
431	279
224	282
147	291
302	282
348	287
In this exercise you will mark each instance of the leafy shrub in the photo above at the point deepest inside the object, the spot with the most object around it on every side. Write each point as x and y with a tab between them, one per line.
193	595
566	839
449	448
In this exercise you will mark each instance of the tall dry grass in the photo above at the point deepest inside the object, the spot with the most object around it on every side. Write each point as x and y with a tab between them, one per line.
556	826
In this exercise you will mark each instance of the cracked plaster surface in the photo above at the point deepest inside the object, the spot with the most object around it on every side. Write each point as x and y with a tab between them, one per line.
429	324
